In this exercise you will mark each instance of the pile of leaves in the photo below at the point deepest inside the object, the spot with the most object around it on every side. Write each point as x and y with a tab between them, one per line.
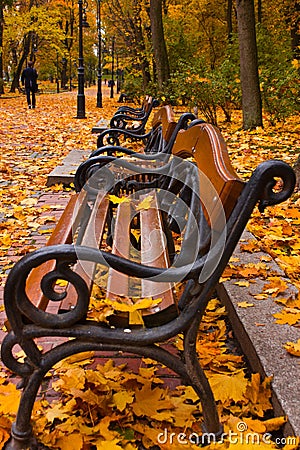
107	406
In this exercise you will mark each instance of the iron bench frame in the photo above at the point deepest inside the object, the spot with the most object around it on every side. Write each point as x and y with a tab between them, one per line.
159	139
134	121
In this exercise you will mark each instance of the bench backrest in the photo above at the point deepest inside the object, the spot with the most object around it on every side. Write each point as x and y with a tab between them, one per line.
205	144
147	103
166	118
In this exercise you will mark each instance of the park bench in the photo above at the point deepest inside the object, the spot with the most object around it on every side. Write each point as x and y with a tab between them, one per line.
130	120
124	220
159	139
138	110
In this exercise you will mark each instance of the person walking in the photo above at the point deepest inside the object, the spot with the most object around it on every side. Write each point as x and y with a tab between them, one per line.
28	78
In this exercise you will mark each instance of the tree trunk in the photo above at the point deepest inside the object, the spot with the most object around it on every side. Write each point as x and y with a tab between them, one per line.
229	20
259	11
251	97
19	66
158	42
295	35
297	170
1	49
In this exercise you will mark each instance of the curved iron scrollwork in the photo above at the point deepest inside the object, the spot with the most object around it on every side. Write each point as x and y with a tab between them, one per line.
17	304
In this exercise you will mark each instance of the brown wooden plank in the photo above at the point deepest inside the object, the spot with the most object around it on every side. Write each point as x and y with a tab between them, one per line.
118	283
206	145
92	238
154	253
62	234
147	103
166	118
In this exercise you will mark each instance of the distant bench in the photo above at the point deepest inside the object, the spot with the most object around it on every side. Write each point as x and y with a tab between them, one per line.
159	139
171	222
131	119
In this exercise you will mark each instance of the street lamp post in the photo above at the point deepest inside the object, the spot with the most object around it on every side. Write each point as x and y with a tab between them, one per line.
80	95
57	77
99	70
112	67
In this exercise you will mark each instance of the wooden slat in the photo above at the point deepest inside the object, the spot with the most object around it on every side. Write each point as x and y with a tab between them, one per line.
91	238
165	117
62	234
154	253
118	283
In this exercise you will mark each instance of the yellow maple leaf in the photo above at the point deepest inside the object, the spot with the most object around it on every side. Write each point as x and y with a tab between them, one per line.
5	241
143	303
288	316
30	201
242	283
245	304
116	200
80	359
74	378
149	401
108	445
9	398
260	296
72	441
104	425
275	286
227	387
275	423
122	399
145	203
62	283
57	411
183	412
292	443
254	425
251	246
293	348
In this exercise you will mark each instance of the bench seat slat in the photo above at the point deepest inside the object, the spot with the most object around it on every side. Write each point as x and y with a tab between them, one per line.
118	283
62	234
91	238
154	253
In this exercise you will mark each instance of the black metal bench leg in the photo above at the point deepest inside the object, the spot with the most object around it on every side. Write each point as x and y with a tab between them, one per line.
21	433
200	382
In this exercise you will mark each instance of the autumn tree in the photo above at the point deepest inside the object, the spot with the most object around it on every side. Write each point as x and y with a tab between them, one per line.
158	41
3	5
67	24
251	98
29	29
128	21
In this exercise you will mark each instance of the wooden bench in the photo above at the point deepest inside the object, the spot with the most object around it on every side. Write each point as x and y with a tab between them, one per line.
192	194
138	110
159	139
132	120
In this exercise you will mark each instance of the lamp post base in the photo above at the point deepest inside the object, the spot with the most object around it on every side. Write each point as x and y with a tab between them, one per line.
81	107
99	100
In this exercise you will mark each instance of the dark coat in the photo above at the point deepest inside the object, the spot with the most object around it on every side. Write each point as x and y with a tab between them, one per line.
29	77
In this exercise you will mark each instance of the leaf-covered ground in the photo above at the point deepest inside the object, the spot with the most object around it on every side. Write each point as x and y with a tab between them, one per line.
111	408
